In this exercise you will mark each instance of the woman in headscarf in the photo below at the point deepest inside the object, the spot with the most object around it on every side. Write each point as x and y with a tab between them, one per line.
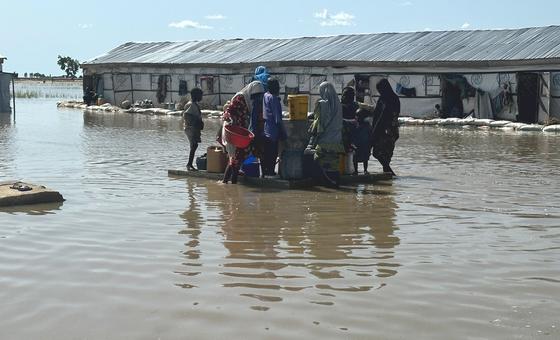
385	131
262	75
349	108
193	124
238	113
257	120
326	133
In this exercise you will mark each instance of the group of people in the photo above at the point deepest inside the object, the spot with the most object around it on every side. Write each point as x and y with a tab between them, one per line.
258	108
339	126
90	97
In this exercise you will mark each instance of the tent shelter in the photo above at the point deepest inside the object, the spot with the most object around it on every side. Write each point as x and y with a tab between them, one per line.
511	74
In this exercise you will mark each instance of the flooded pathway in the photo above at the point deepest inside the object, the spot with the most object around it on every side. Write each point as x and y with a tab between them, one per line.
463	245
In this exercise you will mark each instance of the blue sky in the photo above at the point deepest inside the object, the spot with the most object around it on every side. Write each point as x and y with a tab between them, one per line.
33	33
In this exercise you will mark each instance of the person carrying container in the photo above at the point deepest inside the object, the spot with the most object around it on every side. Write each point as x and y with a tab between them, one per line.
238	113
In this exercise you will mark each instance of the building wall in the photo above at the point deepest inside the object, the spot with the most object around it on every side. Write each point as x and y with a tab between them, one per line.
555	95
5	79
220	84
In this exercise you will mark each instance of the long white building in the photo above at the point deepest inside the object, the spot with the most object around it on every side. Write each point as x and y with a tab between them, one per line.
511	74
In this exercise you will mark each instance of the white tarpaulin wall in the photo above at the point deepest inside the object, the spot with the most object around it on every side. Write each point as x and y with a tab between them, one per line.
493	86
555	95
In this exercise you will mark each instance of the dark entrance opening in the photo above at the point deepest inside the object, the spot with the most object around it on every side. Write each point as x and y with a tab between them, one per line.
88	82
528	97
451	97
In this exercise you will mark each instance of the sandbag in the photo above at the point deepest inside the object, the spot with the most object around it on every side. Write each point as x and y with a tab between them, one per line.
531	127
552	128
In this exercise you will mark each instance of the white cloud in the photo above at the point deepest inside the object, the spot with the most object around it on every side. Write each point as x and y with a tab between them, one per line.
189	24
321	15
465	26
405	4
85	26
338	19
215	17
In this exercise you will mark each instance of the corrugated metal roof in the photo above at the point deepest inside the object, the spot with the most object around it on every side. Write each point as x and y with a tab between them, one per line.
477	46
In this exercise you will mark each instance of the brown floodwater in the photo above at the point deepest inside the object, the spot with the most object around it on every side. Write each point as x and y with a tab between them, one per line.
464	244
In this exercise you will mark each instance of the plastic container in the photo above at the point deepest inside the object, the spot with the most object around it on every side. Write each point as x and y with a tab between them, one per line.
349	163
341	163
310	167
201	162
238	136
216	159
297	106
291	164
251	167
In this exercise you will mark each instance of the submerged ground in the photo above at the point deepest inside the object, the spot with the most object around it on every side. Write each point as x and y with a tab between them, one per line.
463	245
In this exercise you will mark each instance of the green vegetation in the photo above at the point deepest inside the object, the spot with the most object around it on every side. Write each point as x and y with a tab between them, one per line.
68	65
49	89
35	75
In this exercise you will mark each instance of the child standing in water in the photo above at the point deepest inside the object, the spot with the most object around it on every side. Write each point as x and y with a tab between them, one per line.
193	124
361	141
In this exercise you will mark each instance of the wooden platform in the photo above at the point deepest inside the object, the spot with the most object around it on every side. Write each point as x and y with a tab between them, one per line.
278	183
19	193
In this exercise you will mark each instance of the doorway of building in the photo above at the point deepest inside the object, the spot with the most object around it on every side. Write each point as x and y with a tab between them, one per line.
451	100
528	97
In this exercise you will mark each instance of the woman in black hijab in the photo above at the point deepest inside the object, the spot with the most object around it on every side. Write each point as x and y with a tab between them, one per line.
385	131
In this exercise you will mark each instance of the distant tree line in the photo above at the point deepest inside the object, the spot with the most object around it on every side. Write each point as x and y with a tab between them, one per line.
39	75
35	75
67	64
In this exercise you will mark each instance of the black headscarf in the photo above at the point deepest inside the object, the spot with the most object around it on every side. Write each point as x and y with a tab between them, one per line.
274	86
348	95
388	106
349	105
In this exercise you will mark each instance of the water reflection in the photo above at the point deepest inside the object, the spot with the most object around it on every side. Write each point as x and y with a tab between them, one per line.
7	134
131	121
5	119
325	243
193	218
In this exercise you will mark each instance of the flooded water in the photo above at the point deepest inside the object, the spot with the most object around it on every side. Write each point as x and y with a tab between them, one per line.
464	244
48	89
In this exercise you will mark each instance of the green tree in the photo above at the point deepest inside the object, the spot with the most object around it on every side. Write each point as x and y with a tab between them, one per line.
68	65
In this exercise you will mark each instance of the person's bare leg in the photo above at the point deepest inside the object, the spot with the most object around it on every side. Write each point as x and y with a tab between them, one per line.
227	174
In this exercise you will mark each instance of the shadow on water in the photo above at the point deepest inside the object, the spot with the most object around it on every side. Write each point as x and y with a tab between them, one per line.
5	119
33	210
325	240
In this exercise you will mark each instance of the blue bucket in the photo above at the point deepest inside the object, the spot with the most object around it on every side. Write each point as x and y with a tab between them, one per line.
251	167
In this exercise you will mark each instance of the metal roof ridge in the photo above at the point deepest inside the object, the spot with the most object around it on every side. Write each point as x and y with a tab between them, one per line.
351	34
